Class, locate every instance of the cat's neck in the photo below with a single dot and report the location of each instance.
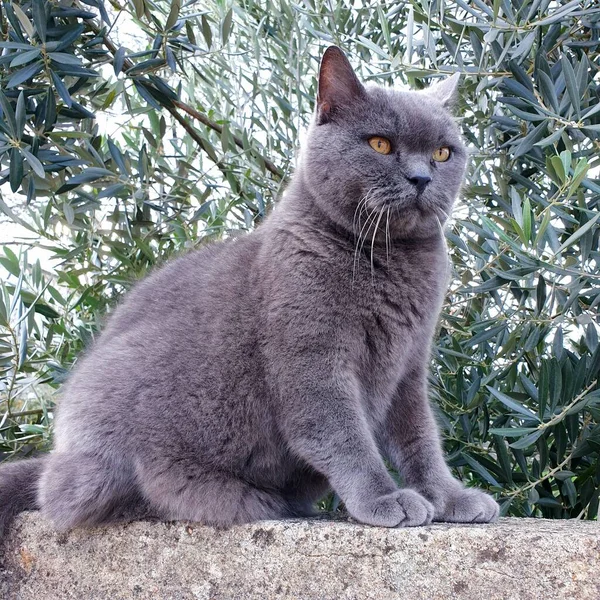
(298, 207)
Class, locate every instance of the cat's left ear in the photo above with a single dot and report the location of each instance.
(339, 87)
(446, 91)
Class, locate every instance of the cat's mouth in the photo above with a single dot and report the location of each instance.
(410, 209)
(416, 201)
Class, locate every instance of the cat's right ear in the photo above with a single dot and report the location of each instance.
(338, 85)
(445, 91)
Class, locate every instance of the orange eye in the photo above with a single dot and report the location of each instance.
(380, 144)
(441, 154)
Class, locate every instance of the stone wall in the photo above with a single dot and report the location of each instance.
(320, 559)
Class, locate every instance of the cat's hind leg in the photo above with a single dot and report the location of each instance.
(85, 490)
(181, 490)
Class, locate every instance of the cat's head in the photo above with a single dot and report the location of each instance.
(374, 150)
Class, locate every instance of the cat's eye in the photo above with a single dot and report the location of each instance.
(441, 154)
(380, 144)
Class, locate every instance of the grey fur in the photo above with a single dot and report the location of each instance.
(243, 380)
(18, 489)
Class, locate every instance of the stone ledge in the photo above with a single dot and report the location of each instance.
(515, 559)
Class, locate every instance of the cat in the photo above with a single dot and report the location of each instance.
(246, 379)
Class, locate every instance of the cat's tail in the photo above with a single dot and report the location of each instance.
(18, 489)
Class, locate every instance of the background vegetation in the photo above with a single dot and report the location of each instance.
(132, 130)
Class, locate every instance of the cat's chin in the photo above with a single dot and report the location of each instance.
(416, 222)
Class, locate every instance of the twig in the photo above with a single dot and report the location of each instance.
(543, 478)
(560, 416)
(25, 413)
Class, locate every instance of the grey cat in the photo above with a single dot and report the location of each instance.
(244, 380)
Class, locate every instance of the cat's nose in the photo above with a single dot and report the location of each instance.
(419, 181)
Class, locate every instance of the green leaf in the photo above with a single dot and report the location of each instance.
(117, 157)
(571, 83)
(24, 74)
(24, 20)
(118, 60)
(560, 13)
(503, 458)
(209, 149)
(173, 14)
(512, 404)
(142, 90)
(527, 219)
(69, 36)
(512, 431)
(112, 191)
(206, 32)
(24, 57)
(189, 30)
(15, 45)
(87, 176)
(527, 441)
(20, 115)
(373, 47)
(16, 169)
(486, 335)
(579, 175)
(34, 163)
(565, 157)
(559, 168)
(13, 217)
(548, 91)
(590, 111)
(479, 468)
(551, 139)
(575, 236)
(568, 489)
(540, 294)
(65, 59)
(146, 66)
(68, 212)
(140, 7)
(531, 139)
(9, 115)
(226, 27)
(40, 19)
(61, 89)
(23, 345)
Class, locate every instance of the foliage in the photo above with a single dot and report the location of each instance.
(132, 132)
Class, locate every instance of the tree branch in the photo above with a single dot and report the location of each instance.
(127, 64)
(219, 128)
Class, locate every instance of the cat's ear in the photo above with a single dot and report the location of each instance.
(445, 91)
(338, 85)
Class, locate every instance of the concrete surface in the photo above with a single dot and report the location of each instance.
(320, 559)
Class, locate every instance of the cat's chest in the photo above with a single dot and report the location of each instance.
(398, 313)
(401, 299)
(392, 321)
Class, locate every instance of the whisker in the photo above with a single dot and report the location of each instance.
(446, 215)
(358, 211)
(439, 225)
(373, 243)
(363, 207)
(360, 245)
(387, 236)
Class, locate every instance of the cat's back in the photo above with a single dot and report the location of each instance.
(185, 289)
(175, 335)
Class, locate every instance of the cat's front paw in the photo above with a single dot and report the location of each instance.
(467, 505)
(402, 508)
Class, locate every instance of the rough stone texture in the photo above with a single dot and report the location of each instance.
(320, 559)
